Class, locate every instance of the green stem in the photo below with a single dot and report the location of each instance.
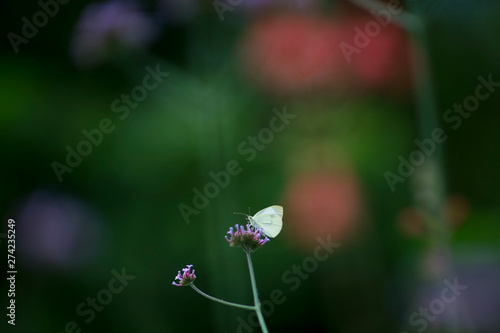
(430, 181)
(430, 184)
(246, 307)
(255, 295)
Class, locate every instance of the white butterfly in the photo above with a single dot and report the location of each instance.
(270, 219)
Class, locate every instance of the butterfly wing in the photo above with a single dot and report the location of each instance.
(270, 219)
(270, 224)
(278, 210)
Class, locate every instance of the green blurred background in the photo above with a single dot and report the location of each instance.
(232, 66)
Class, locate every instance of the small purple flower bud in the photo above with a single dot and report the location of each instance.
(186, 278)
(249, 239)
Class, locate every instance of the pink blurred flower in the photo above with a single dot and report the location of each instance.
(298, 54)
(292, 53)
(322, 203)
(382, 66)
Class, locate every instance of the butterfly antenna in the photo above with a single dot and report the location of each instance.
(240, 214)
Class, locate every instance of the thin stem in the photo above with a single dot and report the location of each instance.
(255, 295)
(430, 185)
(246, 307)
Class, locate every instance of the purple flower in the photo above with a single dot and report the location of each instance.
(249, 239)
(186, 278)
(103, 26)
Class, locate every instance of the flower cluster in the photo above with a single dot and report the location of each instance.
(186, 278)
(249, 239)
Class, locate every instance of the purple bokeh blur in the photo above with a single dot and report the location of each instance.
(264, 4)
(56, 231)
(477, 307)
(106, 25)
